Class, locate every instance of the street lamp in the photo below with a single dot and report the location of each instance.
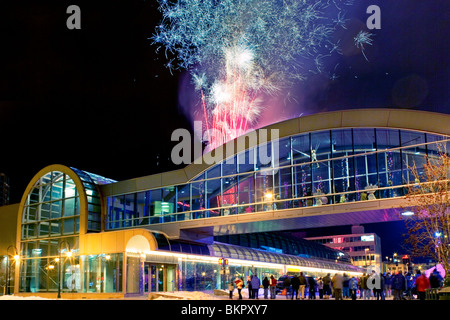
(438, 235)
(365, 255)
(68, 255)
(8, 267)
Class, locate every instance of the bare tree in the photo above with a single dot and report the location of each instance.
(428, 228)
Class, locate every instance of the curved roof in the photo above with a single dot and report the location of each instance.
(84, 182)
(230, 251)
(431, 122)
(237, 252)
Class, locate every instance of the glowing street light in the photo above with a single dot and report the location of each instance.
(68, 254)
(16, 258)
(268, 196)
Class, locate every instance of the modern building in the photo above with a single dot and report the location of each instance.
(168, 231)
(364, 248)
(4, 189)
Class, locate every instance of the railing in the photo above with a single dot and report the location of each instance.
(432, 294)
(272, 205)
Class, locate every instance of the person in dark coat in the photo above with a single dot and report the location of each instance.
(398, 285)
(312, 287)
(295, 283)
(265, 284)
(249, 286)
(287, 285)
(303, 283)
(326, 286)
(435, 279)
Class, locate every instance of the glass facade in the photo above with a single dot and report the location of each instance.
(317, 168)
(51, 217)
(102, 273)
(50, 229)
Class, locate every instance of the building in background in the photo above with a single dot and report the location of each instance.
(4, 189)
(363, 248)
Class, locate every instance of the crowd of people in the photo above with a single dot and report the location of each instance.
(341, 286)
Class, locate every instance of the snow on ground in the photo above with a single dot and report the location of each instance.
(13, 297)
(207, 295)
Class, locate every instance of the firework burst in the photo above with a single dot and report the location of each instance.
(237, 50)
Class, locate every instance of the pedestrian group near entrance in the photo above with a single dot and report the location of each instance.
(396, 286)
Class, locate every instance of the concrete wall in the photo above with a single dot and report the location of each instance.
(8, 227)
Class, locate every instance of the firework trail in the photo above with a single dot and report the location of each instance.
(237, 50)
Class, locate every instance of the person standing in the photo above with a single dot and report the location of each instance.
(383, 286)
(256, 283)
(435, 279)
(249, 286)
(388, 284)
(302, 280)
(327, 286)
(320, 287)
(273, 287)
(422, 283)
(239, 284)
(365, 291)
(398, 285)
(337, 286)
(345, 286)
(287, 285)
(231, 289)
(353, 287)
(312, 287)
(376, 284)
(295, 283)
(265, 284)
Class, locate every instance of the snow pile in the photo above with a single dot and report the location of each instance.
(189, 295)
(13, 297)
(203, 295)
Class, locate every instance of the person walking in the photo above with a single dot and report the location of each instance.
(320, 287)
(327, 286)
(337, 286)
(266, 284)
(353, 287)
(239, 284)
(422, 283)
(231, 289)
(398, 285)
(302, 280)
(273, 287)
(295, 283)
(312, 287)
(256, 283)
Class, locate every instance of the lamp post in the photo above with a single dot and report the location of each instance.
(365, 256)
(8, 267)
(68, 254)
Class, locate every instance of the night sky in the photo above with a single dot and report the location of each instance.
(100, 99)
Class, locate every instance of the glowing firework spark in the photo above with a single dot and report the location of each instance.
(362, 38)
(236, 50)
